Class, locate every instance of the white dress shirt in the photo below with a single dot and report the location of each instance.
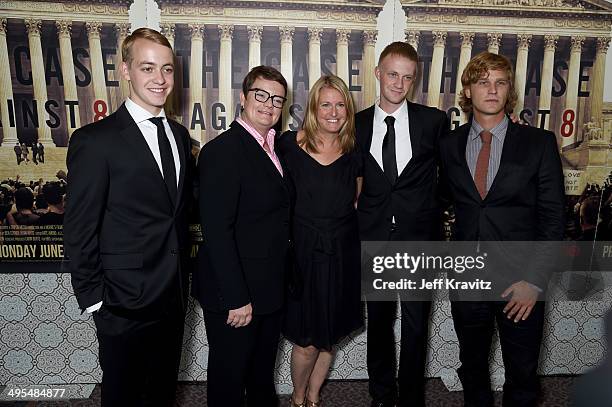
(149, 130)
(141, 116)
(403, 147)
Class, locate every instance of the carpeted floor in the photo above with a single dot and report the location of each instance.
(555, 393)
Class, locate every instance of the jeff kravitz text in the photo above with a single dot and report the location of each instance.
(407, 263)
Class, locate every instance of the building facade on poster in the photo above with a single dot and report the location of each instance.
(289, 36)
(559, 51)
(66, 73)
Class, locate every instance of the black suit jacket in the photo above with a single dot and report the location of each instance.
(413, 199)
(525, 201)
(126, 244)
(244, 211)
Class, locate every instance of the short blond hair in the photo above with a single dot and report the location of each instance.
(400, 48)
(145, 34)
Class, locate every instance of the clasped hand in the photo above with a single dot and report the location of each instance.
(240, 317)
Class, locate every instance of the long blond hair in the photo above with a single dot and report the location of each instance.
(311, 126)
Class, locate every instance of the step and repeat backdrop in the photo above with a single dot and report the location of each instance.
(59, 70)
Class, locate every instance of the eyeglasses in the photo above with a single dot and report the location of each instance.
(263, 96)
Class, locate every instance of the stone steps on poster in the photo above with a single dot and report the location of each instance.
(55, 159)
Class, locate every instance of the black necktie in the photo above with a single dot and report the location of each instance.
(166, 157)
(388, 151)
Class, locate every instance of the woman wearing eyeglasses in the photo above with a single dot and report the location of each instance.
(244, 212)
(325, 174)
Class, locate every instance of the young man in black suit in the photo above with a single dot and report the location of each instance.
(398, 202)
(506, 184)
(125, 229)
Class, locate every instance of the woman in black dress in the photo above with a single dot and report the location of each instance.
(324, 171)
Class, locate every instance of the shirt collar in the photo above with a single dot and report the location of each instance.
(139, 113)
(269, 137)
(399, 114)
(499, 131)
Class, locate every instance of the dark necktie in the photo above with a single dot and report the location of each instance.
(482, 163)
(388, 151)
(166, 157)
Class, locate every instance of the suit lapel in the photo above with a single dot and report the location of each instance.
(510, 150)
(364, 131)
(416, 128)
(257, 154)
(142, 153)
(464, 173)
(416, 132)
(281, 159)
(182, 151)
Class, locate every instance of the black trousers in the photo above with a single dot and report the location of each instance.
(413, 351)
(520, 344)
(139, 359)
(241, 361)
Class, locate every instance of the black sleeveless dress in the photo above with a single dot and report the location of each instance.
(327, 247)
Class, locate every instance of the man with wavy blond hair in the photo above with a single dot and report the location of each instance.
(513, 191)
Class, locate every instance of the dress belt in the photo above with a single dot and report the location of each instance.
(324, 230)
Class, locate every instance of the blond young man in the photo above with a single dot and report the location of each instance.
(125, 229)
(513, 191)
